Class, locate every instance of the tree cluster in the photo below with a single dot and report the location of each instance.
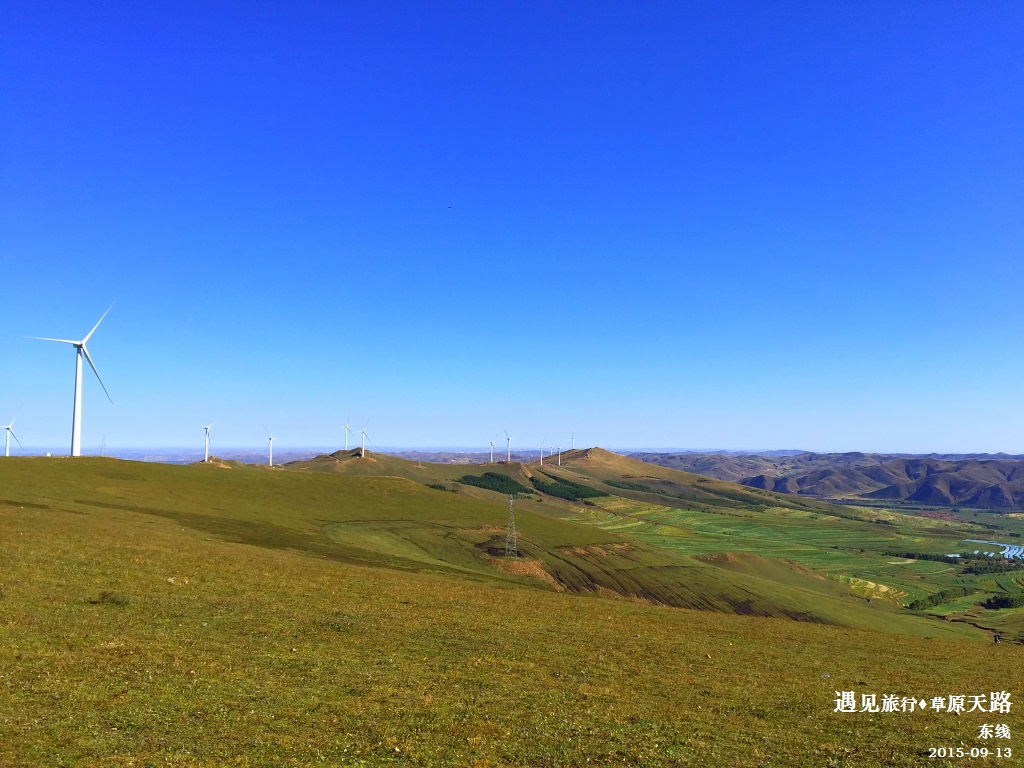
(630, 486)
(1005, 601)
(494, 481)
(565, 489)
(943, 596)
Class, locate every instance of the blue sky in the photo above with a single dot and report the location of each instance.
(735, 225)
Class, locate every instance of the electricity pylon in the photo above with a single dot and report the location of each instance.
(511, 537)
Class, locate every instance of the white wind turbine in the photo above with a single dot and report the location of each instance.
(347, 430)
(206, 458)
(492, 451)
(508, 448)
(573, 440)
(362, 448)
(559, 454)
(81, 351)
(270, 444)
(542, 453)
(7, 438)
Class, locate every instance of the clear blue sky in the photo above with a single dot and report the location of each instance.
(737, 225)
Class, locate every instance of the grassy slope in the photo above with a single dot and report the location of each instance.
(131, 639)
(686, 514)
(655, 571)
(848, 543)
(392, 522)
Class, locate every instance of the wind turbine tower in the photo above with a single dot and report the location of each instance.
(270, 444)
(542, 453)
(492, 451)
(362, 447)
(573, 440)
(206, 457)
(81, 351)
(559, 454)
(9, 429)
(508, 448)
(347, 430)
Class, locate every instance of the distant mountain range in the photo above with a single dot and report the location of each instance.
(973, 480)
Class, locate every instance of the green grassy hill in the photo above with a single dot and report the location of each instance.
(208, 615)
(397, 523)
(677, 513)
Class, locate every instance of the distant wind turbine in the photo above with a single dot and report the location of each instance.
(206, 458)
(542, 453)
(573, 440)
(508, 447)
(347, 430)
(81, 351)
(492, 451)
(362, 448)
(559, 454)
(270, 444)
(7, 437)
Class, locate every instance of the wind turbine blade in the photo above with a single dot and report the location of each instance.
(97, 324)
(506, 433)
(266, 430)
(15, 437)
(62, 341)
(93, 366)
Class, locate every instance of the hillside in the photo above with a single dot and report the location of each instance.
(963, 481)
(208, 615)
(660, 485)
(683, 515)
(373, 516)
(621, 565)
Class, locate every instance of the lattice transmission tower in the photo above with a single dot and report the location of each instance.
(511, 537)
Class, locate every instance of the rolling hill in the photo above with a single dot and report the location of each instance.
(341, 613)
(683, 514)
(976, 481)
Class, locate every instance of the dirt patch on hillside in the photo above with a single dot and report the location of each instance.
(534, 569)
(610, 549)
(613, 595)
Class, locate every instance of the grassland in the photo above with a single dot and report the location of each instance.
(849, 544)
(154, 615)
